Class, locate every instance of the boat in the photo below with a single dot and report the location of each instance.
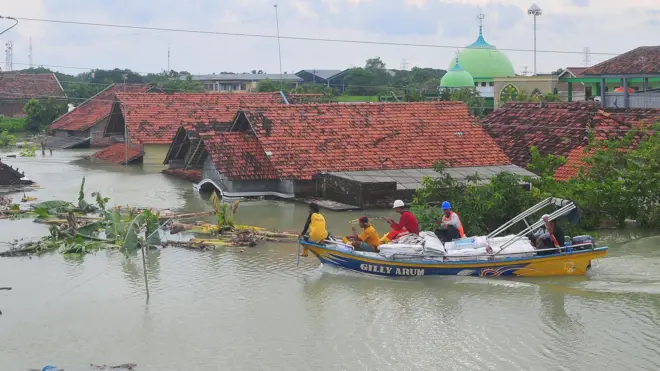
(572, 259)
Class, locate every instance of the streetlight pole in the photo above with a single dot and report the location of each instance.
(279, 48)
(534, 11)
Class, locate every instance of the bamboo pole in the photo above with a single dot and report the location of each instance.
(144, 269)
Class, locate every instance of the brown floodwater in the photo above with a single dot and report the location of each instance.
(254, 309)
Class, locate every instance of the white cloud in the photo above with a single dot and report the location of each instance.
(563, 26)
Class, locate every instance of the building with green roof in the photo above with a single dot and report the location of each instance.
(456, 78)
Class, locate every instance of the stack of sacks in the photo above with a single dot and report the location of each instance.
(471, 248)
(391, 250)
(432, 245)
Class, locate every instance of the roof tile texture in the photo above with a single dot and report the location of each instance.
(16, 85)
(644, 60)
(238, 155)
(154, 118)
(304, 140)
(117, 153)
(555, 128)
(94, 109)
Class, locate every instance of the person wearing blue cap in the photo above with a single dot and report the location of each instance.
(449, 226)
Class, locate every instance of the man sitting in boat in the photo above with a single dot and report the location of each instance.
(368, 240)
(548, 236)
(449, 226)
(407, 223)
(316, 226)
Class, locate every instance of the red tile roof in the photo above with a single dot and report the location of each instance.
(644, 60)
(95, 108)
(305, 140)
(636, 116)
(304, 98)
(155, 118)
(555, 128)
(575, 159)
(17, 85)
(117, 153)
(238, 155)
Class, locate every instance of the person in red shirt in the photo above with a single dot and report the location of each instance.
(407, 222)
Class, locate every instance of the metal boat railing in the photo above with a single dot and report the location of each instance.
(521, 216)
(564, 210)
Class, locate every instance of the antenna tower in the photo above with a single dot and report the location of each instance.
(168, 59)
(30, 55)
(525, 71)
(9, 56)
(587, 57)
(404, 64)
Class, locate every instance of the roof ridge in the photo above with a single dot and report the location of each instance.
(85, 102)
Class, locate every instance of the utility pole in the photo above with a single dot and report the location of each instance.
(30, 55)
(126, 135)
(279, 48)
(534, 11)
(9, 56)
(587, 57)
(168, 60)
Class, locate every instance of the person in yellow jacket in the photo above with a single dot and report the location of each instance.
(315, 225)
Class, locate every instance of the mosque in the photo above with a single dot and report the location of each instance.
(478, 65)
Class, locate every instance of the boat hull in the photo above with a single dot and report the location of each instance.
(566, 264)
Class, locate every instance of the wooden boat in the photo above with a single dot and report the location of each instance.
(568, 260)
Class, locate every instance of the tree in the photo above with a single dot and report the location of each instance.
(40, 114)
(374, 64)
(470, 96)
(179, 86)
(267, 85)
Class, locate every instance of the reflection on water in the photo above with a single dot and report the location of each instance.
(254, 309)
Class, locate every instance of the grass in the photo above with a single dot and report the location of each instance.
(12, 125)
(357, 98)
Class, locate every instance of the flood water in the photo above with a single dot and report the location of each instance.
(254, 309)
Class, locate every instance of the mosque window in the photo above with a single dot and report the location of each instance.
(509, 93)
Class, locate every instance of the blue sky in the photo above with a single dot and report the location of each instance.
(566, 25)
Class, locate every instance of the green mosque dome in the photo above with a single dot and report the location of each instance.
(457, 77)
(483, 61)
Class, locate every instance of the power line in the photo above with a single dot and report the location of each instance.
(298, 38)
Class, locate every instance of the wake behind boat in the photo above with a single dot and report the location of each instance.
(511, 255)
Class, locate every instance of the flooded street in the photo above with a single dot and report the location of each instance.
(254, 309)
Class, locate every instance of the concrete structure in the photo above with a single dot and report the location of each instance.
(635, 73)
(508, 88)
(241, 82)
(17, 88)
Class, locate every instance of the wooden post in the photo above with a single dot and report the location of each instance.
(144, 269)
(603, 88)
(570, 91)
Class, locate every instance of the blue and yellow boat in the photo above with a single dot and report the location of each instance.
(573, 259)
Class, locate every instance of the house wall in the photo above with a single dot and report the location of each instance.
(364, 195)
(12, 108)
(96, 132)
(545, 85)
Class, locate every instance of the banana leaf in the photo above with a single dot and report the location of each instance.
(115, 226)
(53, 207)
(90, 229)
(132, 233)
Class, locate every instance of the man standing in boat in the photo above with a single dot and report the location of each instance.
(407, 223)
(315, 224)
(449, 226)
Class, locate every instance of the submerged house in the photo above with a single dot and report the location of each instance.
(364, 155)
(561, 129)
(84, 125)
(152, 119)
(17, 88)
(10, 177)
